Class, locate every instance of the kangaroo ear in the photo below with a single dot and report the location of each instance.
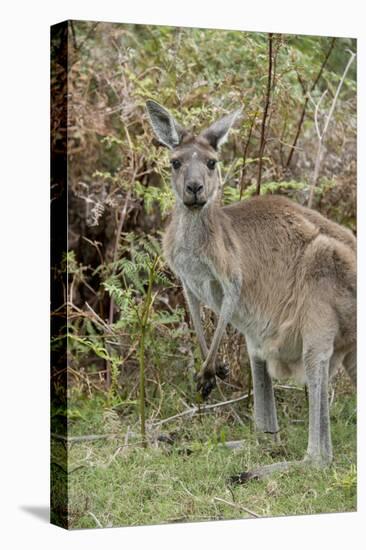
(166, 128)
(217, 133)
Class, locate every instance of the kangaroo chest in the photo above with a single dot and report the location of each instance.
(265, 340)
(198, 276)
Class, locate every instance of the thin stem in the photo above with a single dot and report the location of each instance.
(122, 218)
(142, 387)
(303, 112)
(265, 113)
(75, 44)
(350, 61)
(321, 134)
(143, 329)
(241, 185)
(115, 256)
(115, 252)
(91, 30)
(134, 171)
(316, 116)
(318, 159)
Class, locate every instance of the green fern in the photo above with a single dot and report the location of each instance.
(160, 196)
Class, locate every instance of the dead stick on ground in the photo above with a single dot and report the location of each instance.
(237, 506)
(287, 387)
(194, 410)
(80, 438)
(95, 519)
(190, 411)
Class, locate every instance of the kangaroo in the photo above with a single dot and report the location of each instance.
(280, 273)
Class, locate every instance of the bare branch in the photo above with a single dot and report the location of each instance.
(115, 252)
(194, 410)
(81, 438)
(321, 135)
(99, 319)
(95, 519)
(307, 97)
(244, 157)
(350, 61)
(265, 112)
(237, 506)
(316, 115)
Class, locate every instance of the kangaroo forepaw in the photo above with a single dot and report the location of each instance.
(222, 370)
(206, 381)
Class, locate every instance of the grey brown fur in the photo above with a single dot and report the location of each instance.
(280, 273)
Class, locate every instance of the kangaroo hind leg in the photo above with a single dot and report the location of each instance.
(265, 415)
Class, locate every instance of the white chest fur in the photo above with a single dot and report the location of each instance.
(198, 276)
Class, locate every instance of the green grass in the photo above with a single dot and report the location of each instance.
(110, 484)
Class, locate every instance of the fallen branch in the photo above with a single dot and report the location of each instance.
(194, 410)
(237, 506)
(287, 387)
(234, 445)
(81, 438)
(190, 411)
(95, 519)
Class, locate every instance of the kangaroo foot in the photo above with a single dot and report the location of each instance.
(317, 461)
(222, 370)
(206, 381)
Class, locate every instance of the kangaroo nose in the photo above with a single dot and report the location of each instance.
(194, 187)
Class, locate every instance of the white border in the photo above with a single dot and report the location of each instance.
(24, 269)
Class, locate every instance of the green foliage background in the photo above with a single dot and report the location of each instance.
(119, 194)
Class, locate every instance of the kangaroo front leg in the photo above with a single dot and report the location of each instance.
(194, 309)
(221, 370)
(206, 379)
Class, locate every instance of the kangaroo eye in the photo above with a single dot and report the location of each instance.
(176, 164)
(211, 163)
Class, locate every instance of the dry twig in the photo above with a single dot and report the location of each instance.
(303, 112)
(194, 410)
(95, 519)
(322, 133)
(265, 113)
(237, 506)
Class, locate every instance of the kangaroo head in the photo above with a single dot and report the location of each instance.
(195, 176)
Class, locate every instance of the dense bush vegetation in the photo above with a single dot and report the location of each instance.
(128, 325)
